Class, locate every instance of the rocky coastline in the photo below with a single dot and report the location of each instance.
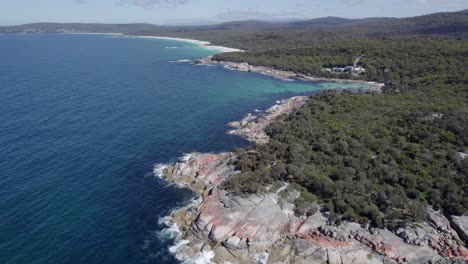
(263, 228)
(283, 75)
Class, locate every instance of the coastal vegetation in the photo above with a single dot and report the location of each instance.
(378, 158)
(400, 64)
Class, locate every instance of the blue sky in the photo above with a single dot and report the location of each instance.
(205, 11)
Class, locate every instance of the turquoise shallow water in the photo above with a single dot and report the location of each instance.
(84, 118)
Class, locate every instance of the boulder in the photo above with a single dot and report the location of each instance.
(439, 220)
(460, 224)
(411, 235)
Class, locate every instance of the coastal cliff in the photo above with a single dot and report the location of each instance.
(264, 228)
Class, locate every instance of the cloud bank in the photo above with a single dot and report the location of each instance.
(240, 14)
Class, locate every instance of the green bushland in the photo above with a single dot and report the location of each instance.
(376, 158)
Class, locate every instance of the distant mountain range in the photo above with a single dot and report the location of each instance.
(278, 34)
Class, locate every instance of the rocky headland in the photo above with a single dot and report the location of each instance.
(263, 228)
(283, 75)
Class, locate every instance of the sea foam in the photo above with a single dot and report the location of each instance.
(186, 157)
(199, 43)
(172, 232)
(159, 168)
(201, 258)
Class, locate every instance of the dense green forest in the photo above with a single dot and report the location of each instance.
(380, 157)
(377, 157)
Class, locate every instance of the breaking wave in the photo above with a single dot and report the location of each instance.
(159, 168)
(182, 60)
(201, 258)
(172, 232)
(186, 157)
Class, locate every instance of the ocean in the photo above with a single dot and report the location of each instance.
(84, 118)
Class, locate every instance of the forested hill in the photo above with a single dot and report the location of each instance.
(262, 35)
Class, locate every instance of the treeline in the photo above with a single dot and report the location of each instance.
(378, 158)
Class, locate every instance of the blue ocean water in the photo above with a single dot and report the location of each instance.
(83, 120)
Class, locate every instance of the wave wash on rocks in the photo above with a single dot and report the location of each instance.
(262, 228)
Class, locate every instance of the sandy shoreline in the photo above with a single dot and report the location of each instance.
(199, 43)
